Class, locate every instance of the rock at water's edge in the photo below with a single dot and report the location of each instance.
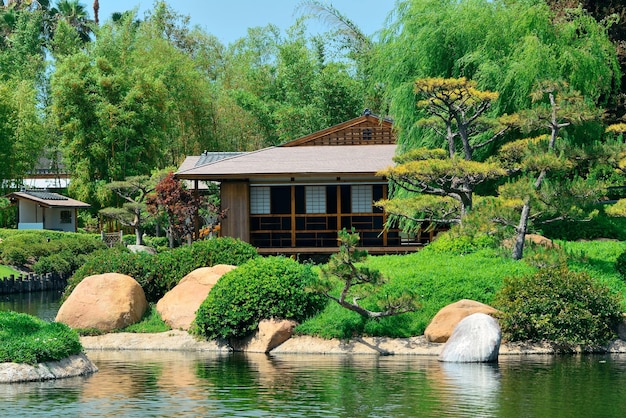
(476, 339)
(178, 306)
(444, 322)
(105, 302)
(271, 334)
(76, 365)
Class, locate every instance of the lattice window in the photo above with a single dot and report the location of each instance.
(362, 198)
(260, 200)
(66, 216)
(315, 199)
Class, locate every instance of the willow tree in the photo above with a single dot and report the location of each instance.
(445, 178)
(505, 46)
(618, 209)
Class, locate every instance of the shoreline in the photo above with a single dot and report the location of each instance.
(177, 340)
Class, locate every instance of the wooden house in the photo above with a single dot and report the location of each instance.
(293, 198)
(46, 210)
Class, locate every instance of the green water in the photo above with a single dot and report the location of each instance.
(164, 384)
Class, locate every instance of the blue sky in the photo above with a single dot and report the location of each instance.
(230, 19)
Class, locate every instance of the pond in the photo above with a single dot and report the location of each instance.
(144, 383)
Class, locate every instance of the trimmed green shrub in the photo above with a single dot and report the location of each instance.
(26, 339)
(452, 242)
(56, 263)
(161, 272)
(15, 255)
(30, 248)
(620, 265)
(263, 288)
(560, 306)
(601, 226)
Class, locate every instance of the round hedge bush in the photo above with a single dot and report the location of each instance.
(263, 288)
(560, 306)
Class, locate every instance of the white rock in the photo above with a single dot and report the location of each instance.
(476, 339)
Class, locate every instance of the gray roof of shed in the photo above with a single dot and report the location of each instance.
(48, 199)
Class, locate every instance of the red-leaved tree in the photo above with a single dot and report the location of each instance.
(179, 204)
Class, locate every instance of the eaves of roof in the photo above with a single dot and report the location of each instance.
(302, 161)
(49, 203)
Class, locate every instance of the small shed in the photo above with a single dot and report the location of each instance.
(46, 210)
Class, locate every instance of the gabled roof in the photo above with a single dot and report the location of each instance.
(367, 129)
(48, 199)
(304, 161)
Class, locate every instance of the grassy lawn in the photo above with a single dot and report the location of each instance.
(26, 339)
(7, 271)
(439, 279)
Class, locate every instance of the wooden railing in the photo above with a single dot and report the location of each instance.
(26, 283)
(320, 230)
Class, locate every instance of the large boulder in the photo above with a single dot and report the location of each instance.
(178, 306)
(476, 339)
(442, 325)
(104, 302)
(271, 334)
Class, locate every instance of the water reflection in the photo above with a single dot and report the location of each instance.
(153, 383)
(473, 387)
(44, 305)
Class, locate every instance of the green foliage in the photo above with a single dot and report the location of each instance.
(263, 288)
(620, 265)
(123, 110)
(359, 282)
(437, 278)
(150, 323)
(560, 306)
(454, 243)
(504, 46)
(26, 339)
(601, 226)
(161, 272)
(47, 251)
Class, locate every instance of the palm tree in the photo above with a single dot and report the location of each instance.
(334, 19)
(96, 8)
(74, 13)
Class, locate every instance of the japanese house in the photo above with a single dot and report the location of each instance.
(46, 210)
(293, 198)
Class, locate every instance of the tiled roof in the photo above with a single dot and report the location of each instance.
(46, 195)
(310, 160)
(49, 200)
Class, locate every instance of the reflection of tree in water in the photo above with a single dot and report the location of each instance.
(564, 386)
(44, 305)
(337, 384)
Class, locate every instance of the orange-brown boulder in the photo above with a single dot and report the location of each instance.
(271, 334)
(442, 325)
(535, 239)
(178, 306)
(105, 302)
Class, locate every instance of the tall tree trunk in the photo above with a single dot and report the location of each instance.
(96, 8)
(520, 236)
(170, 235)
